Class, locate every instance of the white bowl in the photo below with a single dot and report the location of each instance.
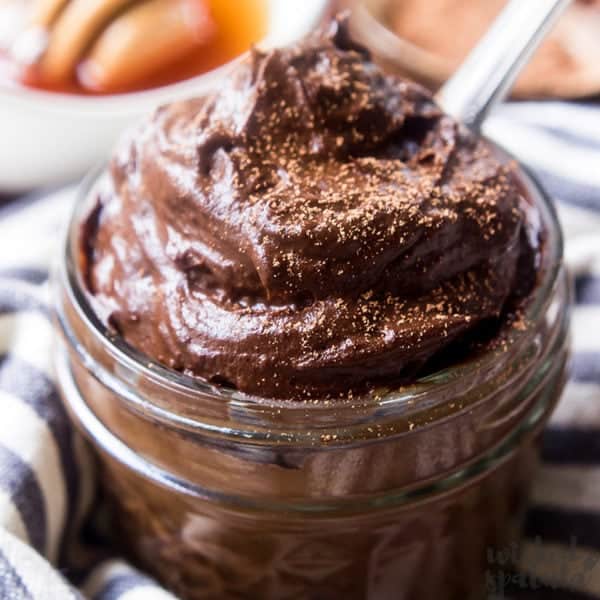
(48, 138)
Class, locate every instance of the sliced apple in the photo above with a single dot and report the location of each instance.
(143, 40)
(44, 12)
(79, 23)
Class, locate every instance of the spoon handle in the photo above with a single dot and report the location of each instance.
(489, 71)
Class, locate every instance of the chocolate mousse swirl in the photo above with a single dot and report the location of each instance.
(313, 228)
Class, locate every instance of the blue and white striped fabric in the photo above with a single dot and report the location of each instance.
(47, 476)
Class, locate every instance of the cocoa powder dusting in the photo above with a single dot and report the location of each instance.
(313, 229)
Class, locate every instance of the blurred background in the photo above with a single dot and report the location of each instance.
(74, 73)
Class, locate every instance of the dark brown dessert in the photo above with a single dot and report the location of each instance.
(313, 229)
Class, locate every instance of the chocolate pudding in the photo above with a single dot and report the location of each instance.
(313, 229)
(313, 329)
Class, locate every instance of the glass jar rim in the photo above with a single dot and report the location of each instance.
(400, 400)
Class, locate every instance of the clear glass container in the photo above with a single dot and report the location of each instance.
(395, 496)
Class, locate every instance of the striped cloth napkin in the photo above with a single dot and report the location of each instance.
(47, 476)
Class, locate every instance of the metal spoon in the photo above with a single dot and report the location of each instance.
(490, 70)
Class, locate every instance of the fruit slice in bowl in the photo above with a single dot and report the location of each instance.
(52, 133)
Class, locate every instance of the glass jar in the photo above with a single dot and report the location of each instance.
(400, 495)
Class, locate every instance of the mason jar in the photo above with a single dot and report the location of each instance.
(399, 495)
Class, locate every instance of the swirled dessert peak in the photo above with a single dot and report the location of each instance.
(316, 226)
